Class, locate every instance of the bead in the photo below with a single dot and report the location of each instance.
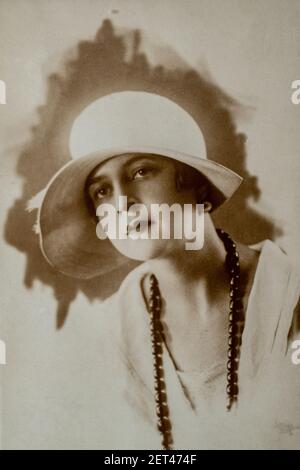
(153, 280)
(233, 329)
(158, 349)
(165, 416)
(166, 424)
(232, 376)
(158, 326)
(159, 357)
(160, 426)
(232, 389)
(234, 294)
(156, 388)
(233, 341)
(231, 354)
(231, 365)
(236, 304)
(165, 444)
(238, 316)
(235, 288)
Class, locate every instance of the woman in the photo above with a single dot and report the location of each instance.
(196, 340)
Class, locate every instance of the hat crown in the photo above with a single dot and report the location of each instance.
(135, 119)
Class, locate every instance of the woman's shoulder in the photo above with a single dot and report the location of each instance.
(278, 277)
(277, 261)
(275, 254)
(268, 256)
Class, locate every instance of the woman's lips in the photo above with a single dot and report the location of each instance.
(140, 227)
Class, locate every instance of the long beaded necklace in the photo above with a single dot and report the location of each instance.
(235, 330)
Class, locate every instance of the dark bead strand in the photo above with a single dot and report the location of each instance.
(236, 318)
(235, 330)
(162, 411)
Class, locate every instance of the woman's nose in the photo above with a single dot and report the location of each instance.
(123, 198)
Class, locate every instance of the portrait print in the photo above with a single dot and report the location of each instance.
(150, 275)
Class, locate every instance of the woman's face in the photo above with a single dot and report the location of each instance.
(144, 179)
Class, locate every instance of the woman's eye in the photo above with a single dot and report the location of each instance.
(100, 193)
(141, 172)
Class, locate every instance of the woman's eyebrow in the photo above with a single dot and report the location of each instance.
(96, 179)
(139, 158)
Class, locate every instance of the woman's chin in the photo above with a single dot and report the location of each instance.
(141, 250)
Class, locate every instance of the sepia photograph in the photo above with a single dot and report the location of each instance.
(150, 212)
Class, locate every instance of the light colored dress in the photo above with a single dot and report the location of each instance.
(267, 415)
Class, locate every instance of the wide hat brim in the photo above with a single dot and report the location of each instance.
(67, 230)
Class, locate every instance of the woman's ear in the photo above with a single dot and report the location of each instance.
(207, 206)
